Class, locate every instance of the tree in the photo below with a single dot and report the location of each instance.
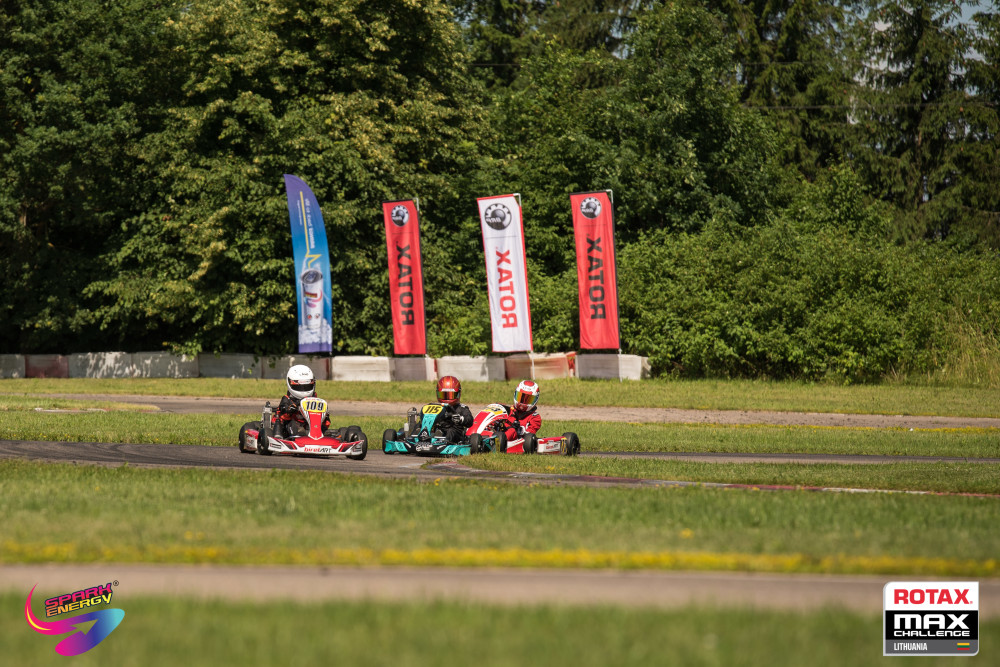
(365, 101)
(793, 65)
(909, 114)
(79, 86)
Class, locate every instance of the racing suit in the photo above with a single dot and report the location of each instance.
(289, 421)
(522, 421)
(454, 421)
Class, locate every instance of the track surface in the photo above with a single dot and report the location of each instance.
(862, 594)
(192, 405)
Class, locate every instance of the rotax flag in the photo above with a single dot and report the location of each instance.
(594, 228)
(406, 276)
(506, 272)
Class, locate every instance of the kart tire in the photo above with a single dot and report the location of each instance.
(530, 443)
(571, 444)
(245, 447)
(355, 433)
(501, 440)
(388, 435)
(475, 443)
(262, 444)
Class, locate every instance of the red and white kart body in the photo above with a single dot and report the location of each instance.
(259, 436)
(491, 422)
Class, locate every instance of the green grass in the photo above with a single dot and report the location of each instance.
(56, 512)
(164, 631)
(939, 477)
(10, 403)
(221, 430)
(701, 394)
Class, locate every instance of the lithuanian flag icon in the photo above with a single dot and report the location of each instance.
(964, 646)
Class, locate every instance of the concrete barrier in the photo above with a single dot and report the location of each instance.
(276, 368)
(472, 369)
(413, 369)
(164, 365)
(46, 366)
(612, 366)
(101, 365)
(533, 366)
(228, 366)
(12, 366)
(354, 369)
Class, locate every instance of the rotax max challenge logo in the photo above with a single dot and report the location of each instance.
(88, 629)
(930, 618)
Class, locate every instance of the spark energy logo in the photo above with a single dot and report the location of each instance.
(88, 629)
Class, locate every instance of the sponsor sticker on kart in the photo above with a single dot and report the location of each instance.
(930, 618)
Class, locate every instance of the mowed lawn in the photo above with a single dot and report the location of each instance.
(59, 512)
(903, 399)
(216, 633)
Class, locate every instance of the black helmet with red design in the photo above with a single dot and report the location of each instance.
(449, 390)
(526, 395)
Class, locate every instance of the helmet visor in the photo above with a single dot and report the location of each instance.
(525, 398)
(306, 387)
(447, 395)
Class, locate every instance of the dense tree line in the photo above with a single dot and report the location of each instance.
(802, 188)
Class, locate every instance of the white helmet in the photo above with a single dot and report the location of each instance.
(526, 395)
(301, 382)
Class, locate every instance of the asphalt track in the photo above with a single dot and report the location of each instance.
(861, 594)
(205, 405)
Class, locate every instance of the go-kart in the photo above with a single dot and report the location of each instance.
(422, 434)
(492, 422)
(260, 436)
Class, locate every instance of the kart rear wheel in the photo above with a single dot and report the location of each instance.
(355, 433)
(571, 444)
(247, 447)
(530, 443)
(262, 443)
(388, 435)
(475, 443)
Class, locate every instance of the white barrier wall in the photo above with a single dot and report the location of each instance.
(612, 366)
(533, 366)
(472, 369)
(413, 369)
(46, 366)
(371, 369)
(276, 368)
(228, 366)
(164, 365)
(12, 366)
(101, 365)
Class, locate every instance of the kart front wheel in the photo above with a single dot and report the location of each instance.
(501, 442)
(388, 436)
(475, 443)
(262, 447)
(570, 444)
(530, 443)
(247, 447)
(355, 433)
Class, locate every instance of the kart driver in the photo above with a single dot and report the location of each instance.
(522, 416)
(456, 418)
(301, 384)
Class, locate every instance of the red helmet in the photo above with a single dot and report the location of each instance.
(449, 390)
(526, 395)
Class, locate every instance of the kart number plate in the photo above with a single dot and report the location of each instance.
(432, 409)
